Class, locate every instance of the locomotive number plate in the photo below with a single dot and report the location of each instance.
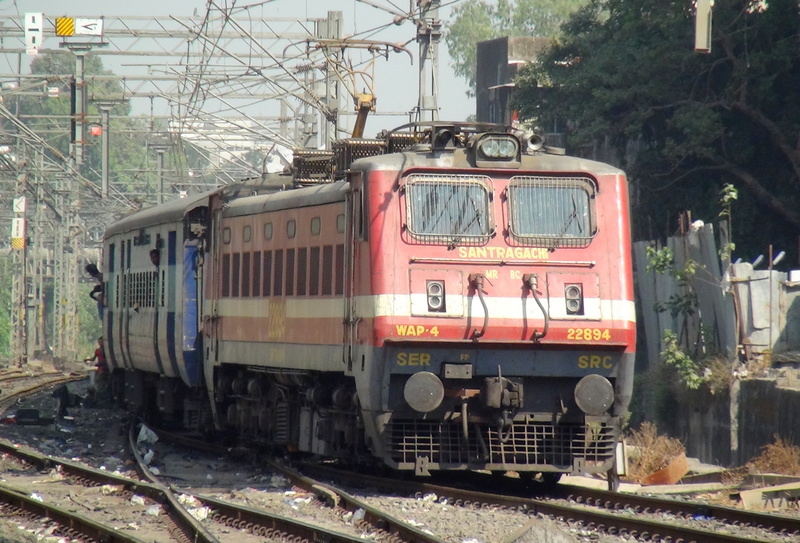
(416, 330)
(589, 334)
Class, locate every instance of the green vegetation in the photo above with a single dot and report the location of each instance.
(623, 75)
(480, 20)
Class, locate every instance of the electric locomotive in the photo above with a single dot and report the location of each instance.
(448, 296)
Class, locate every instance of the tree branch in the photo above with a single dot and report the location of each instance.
(761, 193)
(777, 137)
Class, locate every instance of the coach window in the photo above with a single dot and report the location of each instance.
(314, 265)
(552, 212)
(245, 274)
(226, 275)
(291, 228)
(290, 272)
(277, 284)
(226, 235)
(340, 223)
(266, 284)
(257, 274)
(246, 233)
(235, 275)
(327, 270)
(268, 231)
(302, 270)
(315, 226)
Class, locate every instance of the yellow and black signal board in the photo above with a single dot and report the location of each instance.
(65, 26)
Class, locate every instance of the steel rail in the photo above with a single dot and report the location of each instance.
(267, 524)
(601, 520)
(258, 522)
(372, 515)
(328, 494)
(9, 398)
(644, 504)
(192, 529)
(71, 524)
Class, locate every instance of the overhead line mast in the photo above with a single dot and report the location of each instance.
(209, 84)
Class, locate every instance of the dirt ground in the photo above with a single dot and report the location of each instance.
(95, 435)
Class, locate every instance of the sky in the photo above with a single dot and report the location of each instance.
(396, 79)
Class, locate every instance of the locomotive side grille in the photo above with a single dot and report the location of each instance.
(281, 431)
(522, 444)
(312, 166)
(397, 142)
(348, 150)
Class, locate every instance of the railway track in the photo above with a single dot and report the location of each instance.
(222, 520)
(17, 384)
(349, 514)
(628, 515)
(642, 517)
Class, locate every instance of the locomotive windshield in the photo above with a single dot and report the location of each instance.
(552, 211)
(451, 209)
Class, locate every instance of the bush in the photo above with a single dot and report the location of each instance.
(779, 457)
(650, 452)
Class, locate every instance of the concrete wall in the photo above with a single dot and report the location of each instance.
(498, 62)
(732, 429)
(756, 312)
(706, 432)
(765, 410)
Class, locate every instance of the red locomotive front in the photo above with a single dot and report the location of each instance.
(491, 324)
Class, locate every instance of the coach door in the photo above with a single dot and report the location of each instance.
(211, 317)
(354, 233)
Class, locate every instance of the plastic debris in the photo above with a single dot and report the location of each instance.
(146, 435)
(278, 481)
(188, 501)
(137, 500)
(153, 510)
(107, 490)
(148, 456)
(200, 513)
(37, 497)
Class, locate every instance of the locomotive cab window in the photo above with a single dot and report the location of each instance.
(449, 209)
(552, 211)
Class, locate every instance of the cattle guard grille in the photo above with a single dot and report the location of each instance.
(526, 444)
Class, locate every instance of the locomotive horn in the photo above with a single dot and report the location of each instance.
(535, 142)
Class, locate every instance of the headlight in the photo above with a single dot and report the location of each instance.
(498, 147)
(573, 296)
(424, 392)
(594, 394)
(435, 291)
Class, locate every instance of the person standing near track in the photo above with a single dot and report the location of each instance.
(102, 377)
